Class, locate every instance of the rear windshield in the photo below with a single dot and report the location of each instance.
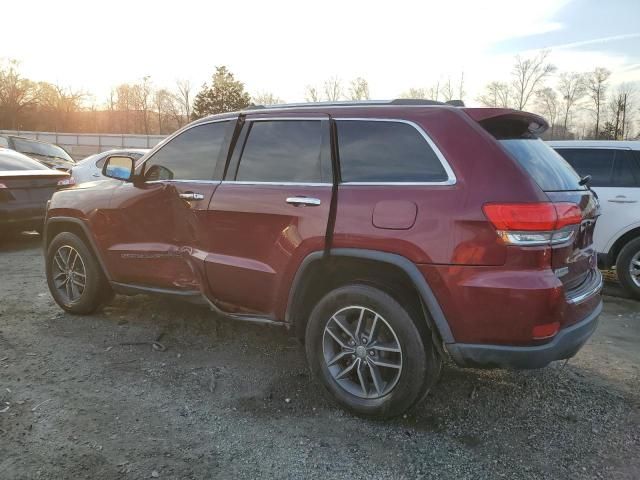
(10, 160)
(550, 171)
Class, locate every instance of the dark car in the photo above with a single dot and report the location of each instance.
(25, 187)
(385, 235)
(49, 154)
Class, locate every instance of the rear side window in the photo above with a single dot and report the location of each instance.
(597, 162)
(282, 151)
(549, 170)
(386, 151)
(607, 167)
(4, 142)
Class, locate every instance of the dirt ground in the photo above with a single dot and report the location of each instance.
(232, 400)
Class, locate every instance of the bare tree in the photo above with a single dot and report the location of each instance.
(621, 107)
(311, 94)
(415, 93)
(497, 94)
(359, 89)
(528, 76)
(547, 100)
(142, 97)
(597, 89)
(16, 92)
(266, 98)
(184, 95)
(572, 88)
(447, 90)
(434, 91)
(333, 89)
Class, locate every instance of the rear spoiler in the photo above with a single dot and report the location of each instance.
(508, 123)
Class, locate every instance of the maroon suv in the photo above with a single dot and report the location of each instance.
(386, 235)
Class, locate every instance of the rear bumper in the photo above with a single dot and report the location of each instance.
(564, 345)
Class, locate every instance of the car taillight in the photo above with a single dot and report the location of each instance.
(546, 330)
(2, 185)
(529, 224)
(67, 182)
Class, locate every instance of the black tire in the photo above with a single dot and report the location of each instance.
(96, 290)
(623, 264)
(419, 360)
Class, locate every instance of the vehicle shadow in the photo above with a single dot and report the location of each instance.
(12, 242)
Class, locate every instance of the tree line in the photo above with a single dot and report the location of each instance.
(576, 104)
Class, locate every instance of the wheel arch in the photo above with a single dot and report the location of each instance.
(619, 243)
(57, 225)
(315, 266)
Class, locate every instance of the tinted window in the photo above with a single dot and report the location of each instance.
(597, 162)
(549, 170)
(372, 151)
(625, 170)
(10, 160)
(192, 155)
(282, 151)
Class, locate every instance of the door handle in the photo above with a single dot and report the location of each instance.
(191, 196)
(614, 200)
(303, 201)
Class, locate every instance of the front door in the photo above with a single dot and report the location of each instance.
(157, 228)
(270, 212)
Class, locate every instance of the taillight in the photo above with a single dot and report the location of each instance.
(2, 185)
(546, 330)
(529, 224)
(67, 182)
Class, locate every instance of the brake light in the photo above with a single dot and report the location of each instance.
(2, 185)
(534, 223)
(67, 182)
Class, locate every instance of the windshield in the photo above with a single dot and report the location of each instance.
(37, 148)
(550, 171)
(10, 160)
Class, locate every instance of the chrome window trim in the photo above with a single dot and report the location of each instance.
(161, 145)
(451, 176)
(602, 147)
(284, 184)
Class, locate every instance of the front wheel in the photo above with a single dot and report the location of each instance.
(74, 276)
(369, 353)
(628, 267)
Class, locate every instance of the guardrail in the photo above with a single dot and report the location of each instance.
(80, 145)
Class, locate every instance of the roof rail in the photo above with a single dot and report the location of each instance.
(355, 103)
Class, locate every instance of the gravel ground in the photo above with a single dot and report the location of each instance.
(235, 400)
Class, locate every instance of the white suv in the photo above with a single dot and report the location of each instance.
(614, 167)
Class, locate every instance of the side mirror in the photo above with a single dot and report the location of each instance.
(119, 167)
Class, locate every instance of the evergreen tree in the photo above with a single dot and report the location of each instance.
(225, 94)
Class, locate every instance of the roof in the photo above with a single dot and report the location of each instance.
(632, 144)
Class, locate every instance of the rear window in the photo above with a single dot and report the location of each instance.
(549, 170)
(14, 161)
(386, 151)
(43, 149)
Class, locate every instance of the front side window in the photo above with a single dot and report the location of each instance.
(192, 155)
(386, 151)
(282, 151)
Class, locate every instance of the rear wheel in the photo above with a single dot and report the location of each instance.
(628, 267)
(75, 278)
(369, 353)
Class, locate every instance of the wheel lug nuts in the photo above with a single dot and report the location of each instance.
(372, 353)
(364, 339)
(353, 356)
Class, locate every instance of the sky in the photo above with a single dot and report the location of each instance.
(282, 46)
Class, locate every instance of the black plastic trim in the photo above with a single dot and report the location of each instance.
(399, 261)
(87, 234)
(563, 346)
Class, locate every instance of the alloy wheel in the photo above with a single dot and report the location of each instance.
(634, 268)
(69, 273)
(362, 352)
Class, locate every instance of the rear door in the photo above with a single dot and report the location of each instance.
(270, 212)
(615, 177)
